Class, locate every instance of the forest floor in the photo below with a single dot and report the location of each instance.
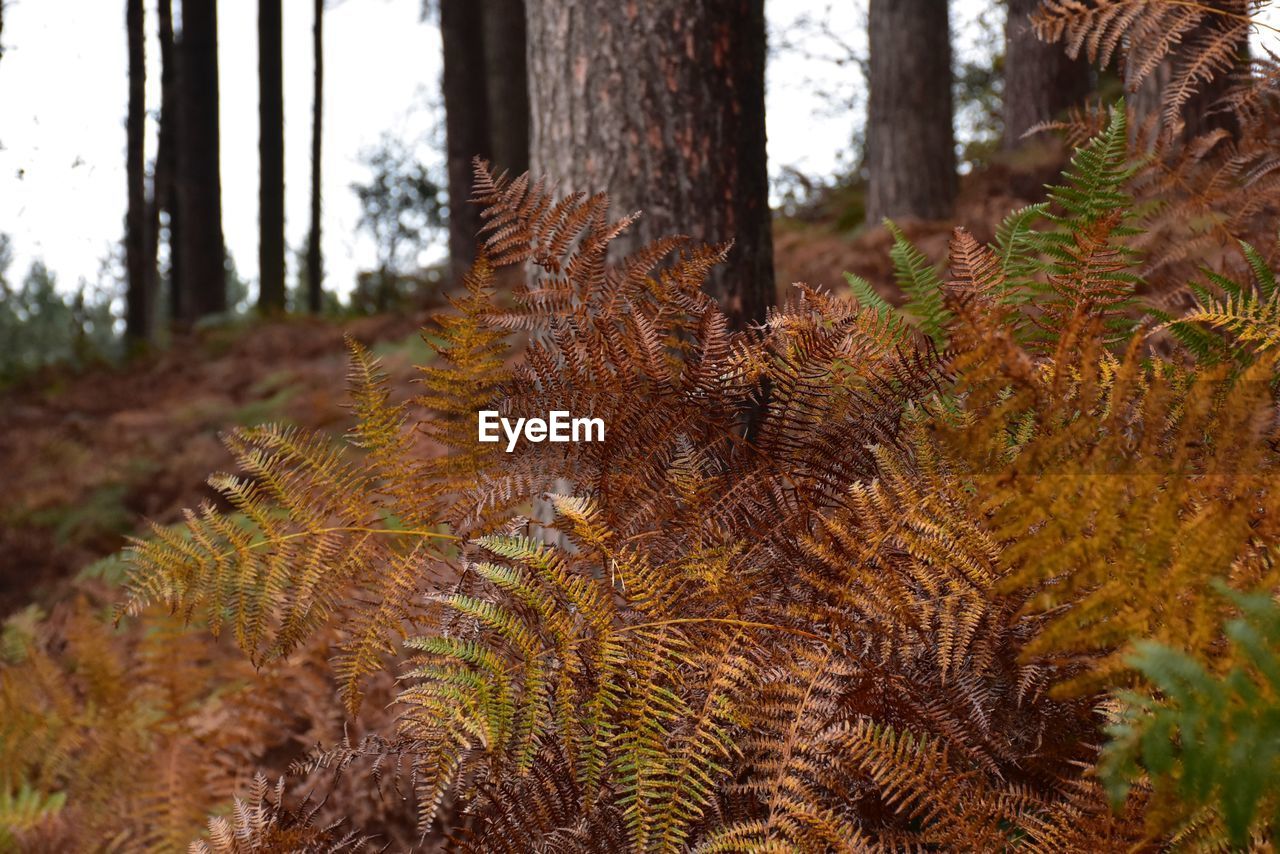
(86, 458)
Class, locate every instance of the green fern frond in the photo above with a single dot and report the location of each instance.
(1207, 739)
(920, 281)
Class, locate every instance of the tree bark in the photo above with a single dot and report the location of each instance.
(271, 157)
(163, 186)
(137, 318)
(507, 83)
(315, 273)
(199, 182)
(911, 157)
(1040, 80)
(662, 105)
(466, 121)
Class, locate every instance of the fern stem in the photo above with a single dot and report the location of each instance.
(345, 529)
(728, 621)
(1224, 13)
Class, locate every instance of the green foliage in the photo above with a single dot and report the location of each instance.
(1206, 738)
(41, 326)
(401, 207)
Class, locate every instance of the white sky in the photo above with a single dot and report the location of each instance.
(64, 86)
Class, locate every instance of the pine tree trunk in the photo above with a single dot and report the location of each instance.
(507, 83)
(138, 293)
(199, 181)
(314, 273)
(1040, 80)
(164, 186)
(271, 157)
(662, 105)
(466, 121)
(911, 157)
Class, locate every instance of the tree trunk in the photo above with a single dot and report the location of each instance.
(507, 83)
(466, 121)
(137, 326)
(911, 156)
(2, 2)
(164, 186)
(662, 105)
(1040, 80)
(271, 157)
(314, 272)
(199, 182)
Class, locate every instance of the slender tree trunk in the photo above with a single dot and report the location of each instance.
(271, 157)
(199, 181)
(662, 105)
(138, 294)
(507, 83)
(315, 274)
(2, 2)
(466, 121)
(164, 186)
(1040, 80)
(911, 155)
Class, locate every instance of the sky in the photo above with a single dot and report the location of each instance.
(64, 88)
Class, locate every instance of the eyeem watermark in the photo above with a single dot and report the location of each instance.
(558, 426)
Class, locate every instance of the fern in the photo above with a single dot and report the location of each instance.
(825, 585)
(1250, 316)
(1208, 739)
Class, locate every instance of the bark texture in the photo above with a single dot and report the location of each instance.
(911, 157)
(661, 104)
(163, 186)
(199, 182)
(1040, 80)
(466, 105)
(137, 317)
(315, 274)
(270, 149)
(506, 83)
(271, 157)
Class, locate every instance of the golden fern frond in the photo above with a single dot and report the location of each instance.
(317, 534)
(1251, 319)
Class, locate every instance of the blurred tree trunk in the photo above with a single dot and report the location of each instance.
(163, 188)
(466, 121)
(1040, 80)
(507, 83)
(137, 316)
(1199, 115)
(662, 105)
(271, 157)
(314, 274)
(2, 2)
(911, 157)
(198, 179)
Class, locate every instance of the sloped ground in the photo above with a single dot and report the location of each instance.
(817, 253)
(85, 459)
